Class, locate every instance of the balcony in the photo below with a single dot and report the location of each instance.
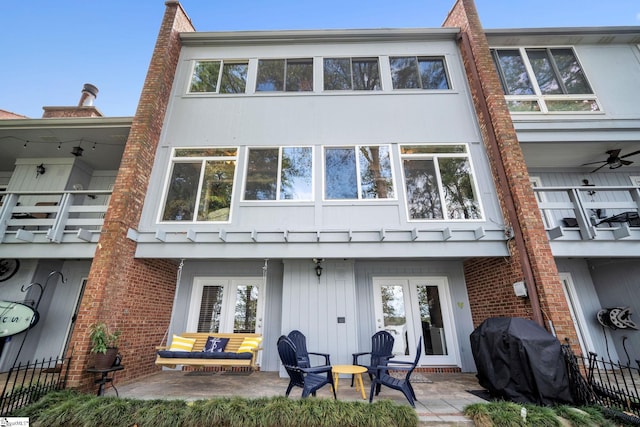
(591, 220)
(70, 219)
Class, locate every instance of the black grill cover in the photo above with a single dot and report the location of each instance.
(519, 361)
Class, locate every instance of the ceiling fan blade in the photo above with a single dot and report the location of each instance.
(630, 154)
(626, 162)
(594, 163)
(598, 168)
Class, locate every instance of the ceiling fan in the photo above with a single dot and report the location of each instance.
(614, 160)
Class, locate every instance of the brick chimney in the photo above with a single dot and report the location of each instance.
(85, 106)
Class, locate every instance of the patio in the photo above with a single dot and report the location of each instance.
(441, 396)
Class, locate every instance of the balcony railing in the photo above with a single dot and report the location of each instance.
(590, 212)
(43, 216)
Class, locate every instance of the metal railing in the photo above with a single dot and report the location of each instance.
(597, 381)
(26, 214)
(589, 209)
(26, 383)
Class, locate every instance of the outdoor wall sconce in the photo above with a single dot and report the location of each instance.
(40, 170)
(318, 268)
(77, 151)
(585, 183)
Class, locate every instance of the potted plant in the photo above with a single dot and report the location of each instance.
(103, 345)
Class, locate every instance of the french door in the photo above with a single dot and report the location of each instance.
(579, 320)
(226, 304)
(410, 308)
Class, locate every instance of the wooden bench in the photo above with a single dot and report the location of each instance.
(198, 358)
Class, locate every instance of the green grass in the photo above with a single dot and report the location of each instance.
(509, 414)
(70, 408)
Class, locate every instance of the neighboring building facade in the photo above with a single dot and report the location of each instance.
(344, 182)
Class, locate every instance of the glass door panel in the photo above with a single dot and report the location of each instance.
(210, 309)
(431, 321)
(246, 309)
(393, 314)
(418, 306)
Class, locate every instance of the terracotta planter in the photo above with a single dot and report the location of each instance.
(105, 361)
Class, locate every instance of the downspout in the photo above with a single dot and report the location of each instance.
(481, 103)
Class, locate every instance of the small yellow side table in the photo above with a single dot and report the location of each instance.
(354, 370)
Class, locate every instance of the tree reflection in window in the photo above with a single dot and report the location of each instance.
(246, 309)
(351, 74)
(290, 75)
(208, 78)
(361, 172)
(554, 71)
(279, 174)
(439, 182)
(201, 187)
(415, 72)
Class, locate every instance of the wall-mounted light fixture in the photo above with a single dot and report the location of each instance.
(77, 151)
(318, 267)
(40, 170)
(585, 183)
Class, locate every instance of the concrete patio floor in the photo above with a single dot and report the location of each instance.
(441, 396)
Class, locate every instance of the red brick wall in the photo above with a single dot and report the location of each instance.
(133, 295)
(490, 281)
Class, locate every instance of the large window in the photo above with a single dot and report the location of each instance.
(361, 172)
(351, 74)
(439, 182)
(543, 80)
(288, 75)
(200, 185)
(283, 173)
(219, 77)
(418, 72)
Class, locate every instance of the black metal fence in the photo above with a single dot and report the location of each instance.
(596, 381)
(26, 383)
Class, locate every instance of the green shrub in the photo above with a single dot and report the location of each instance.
(68, 408)
(508, 414)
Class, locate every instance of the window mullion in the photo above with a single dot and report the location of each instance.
(279, 177)
(556, 71)
(203, 171)
(529, 68)
(351, 73)
(358, 174)
(443, 200)
(220, 72)
(284, 77)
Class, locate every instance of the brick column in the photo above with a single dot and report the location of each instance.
(490, 280)
(133, 295)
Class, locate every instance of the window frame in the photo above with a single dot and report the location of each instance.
(351, 73)
(279, 175)
(174, 159)
(538, 97)
(222, 62)
(441, 192)
(284, 75)
(445, 68)
(356, 149)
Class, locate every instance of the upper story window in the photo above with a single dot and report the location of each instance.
(219, 77)
(288, 75)
(439, 182)
(543, 80)
(200, 185)
(418, 72)
(360, 172)
(351, 74)
(283, 173)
